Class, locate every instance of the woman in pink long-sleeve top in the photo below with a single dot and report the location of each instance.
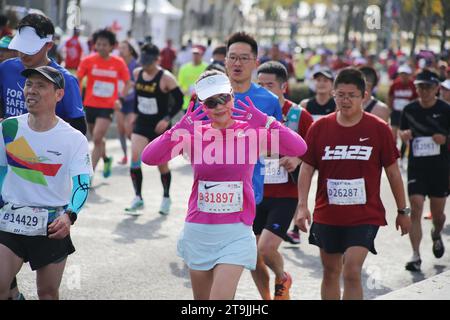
(217, 241)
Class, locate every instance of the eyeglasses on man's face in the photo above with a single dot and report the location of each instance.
(244, 58)
(342, 96)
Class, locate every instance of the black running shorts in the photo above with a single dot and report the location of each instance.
(337, 239)
(395, 118)
(275, 215)
(146, 128)
(38, 250)
(433, 182)
(93, 113)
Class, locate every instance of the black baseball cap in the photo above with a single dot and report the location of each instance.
(427, 76)
(324, 72)
(50, 73)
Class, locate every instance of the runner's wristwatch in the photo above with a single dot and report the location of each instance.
(72, 215)
(405, 211)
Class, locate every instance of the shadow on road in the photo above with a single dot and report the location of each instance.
(446, 230)
(371, 278)
(184, 169)
(300, 259)
(94, 197)
(130, 230)
(181, 272)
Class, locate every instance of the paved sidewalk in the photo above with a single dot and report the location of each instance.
(434, 288)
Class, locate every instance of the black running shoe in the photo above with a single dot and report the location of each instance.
(413, 266)
(438, 245)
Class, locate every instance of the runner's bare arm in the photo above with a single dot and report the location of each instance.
(395, 181)
(128, 85)
(303, 103)
(302, 213)
(405, 135)
(382, 111)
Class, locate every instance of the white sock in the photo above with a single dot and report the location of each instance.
(415, 256)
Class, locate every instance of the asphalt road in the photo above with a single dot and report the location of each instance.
(123, 257)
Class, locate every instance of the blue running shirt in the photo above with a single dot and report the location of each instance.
(268, 103)
(12, 98)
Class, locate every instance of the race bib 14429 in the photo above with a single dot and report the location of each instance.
(26, 221)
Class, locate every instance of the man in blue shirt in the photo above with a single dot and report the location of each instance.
(33, 40)
(240, 62)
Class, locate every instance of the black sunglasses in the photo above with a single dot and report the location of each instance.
(212, 103)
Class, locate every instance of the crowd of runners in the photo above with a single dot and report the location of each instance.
(253, 151)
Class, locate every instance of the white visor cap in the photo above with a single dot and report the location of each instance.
(404, 69)
(446, 84)
(28, 42)
(213, 85)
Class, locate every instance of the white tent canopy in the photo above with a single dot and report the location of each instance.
(155, 7)
(163, 18)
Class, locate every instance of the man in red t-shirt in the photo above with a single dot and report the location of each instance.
(274, 214)
(401, 93)
(103, 72)
(73, 51)
(168, 56)
(349, 148)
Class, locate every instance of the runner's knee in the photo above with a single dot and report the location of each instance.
(48, 292)
(331, 272)
(266, 249)
(352, 274)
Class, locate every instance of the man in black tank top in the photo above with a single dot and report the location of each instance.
(158, 100)
(370, 103)
(323, 102)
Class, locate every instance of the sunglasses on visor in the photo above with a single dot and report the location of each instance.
(212, 103)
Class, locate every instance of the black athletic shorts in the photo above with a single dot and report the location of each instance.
(146, 128)
(40, 251)
(275, 215)
(395, 118)
(93, 113)
(433, 182)
(337, 239)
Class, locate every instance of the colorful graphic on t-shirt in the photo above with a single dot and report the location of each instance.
(22, 159)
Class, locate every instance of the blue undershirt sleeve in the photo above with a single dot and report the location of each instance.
(3, 171)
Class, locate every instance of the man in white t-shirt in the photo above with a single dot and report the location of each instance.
(45, 170)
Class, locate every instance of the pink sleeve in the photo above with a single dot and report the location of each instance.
(167, 146)
(290, 143)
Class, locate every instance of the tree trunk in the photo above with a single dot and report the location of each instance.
(348, 22)
(220, 11)
(445, 23)
(418, 18)
(183, 21)
(381, 36)
(340, 44)
(133, 17)
(145, 19)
